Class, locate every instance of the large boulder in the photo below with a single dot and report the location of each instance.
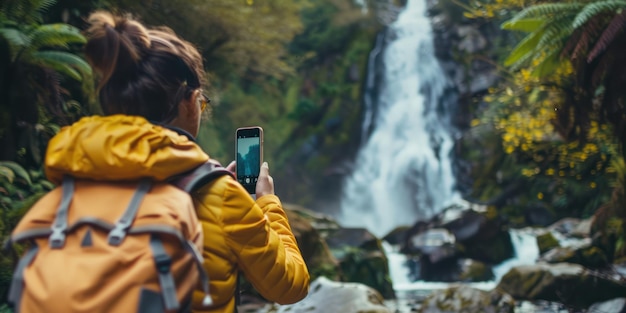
(464, 299)
(570, 284)
(361, 258)
(478, 232)
(584, 254)
(546, 241)
(330, 296)
(617, 305)
(315, 251)
(436, 245)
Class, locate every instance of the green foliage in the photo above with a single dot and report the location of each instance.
(22, 11)
(525, 25)
(32, 79)
(550, 9)
(595, 8)
(5, 309)
(235, 37)
(556, 89)
(64, 63)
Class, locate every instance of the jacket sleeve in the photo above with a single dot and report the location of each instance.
(267, 251)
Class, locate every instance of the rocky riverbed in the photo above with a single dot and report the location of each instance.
(351, 272)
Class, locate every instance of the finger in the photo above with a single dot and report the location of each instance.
(265, 169)
(232, 167)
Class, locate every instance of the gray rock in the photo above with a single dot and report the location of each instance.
(326, 296)
(570, 284)
(464, 299)
(617, 305)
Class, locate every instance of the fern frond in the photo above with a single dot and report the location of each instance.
(45, 5)
(55, 35)
(608, 35)
(556, 30)
(572, 43)
(594, 8)
(526, 25)
(64, 63)
(525, 49)
(588, 32)
(549, 64)
(16, 40)
(600, 71)
(548, 10)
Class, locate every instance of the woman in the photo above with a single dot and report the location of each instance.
(148, 77)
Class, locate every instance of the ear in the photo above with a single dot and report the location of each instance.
(189, 107)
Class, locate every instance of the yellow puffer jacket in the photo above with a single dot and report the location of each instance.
(240, 234)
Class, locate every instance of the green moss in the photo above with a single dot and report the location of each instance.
(546, 242)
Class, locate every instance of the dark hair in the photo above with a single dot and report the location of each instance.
(142, 71)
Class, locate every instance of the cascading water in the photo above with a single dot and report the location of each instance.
(403, 170)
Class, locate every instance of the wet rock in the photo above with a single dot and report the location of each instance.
(313, 246)
(617, 305)
(471, 39)
(435, 244)
(570, 284)
(450, 270)
(361, 258)
(474, 271)
(397, 235)
(329, 296)
(478, 232)
(565, 226)
(464, 299)
(546, 241)
(584, 254)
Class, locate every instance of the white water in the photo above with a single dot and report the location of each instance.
(526, 253)
(403, 171)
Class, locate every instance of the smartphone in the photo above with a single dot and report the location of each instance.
(249, 156)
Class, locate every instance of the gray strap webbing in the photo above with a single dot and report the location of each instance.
(163, 264)
(17, 284)
(59, 226)
(117, 234)
(204, 276)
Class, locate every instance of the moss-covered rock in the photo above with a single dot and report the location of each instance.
(570, 284)
(464, 299)
(586, 255)
(546, 241)
(361, 258)
(475, 271)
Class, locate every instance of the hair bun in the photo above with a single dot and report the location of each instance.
(115, 43)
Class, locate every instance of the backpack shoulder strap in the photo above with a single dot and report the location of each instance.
(200, 176)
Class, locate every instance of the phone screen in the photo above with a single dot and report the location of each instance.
(249, 156)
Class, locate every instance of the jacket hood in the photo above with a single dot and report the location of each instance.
(119, 147)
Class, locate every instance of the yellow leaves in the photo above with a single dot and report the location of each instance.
(592, 185)
(540, 196)
(475, 122)
(550, 172)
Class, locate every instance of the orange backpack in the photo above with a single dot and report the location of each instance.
(112, 247)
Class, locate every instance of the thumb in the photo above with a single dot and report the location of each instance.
(265, 169)
(232, 167)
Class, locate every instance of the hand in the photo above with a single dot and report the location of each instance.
(265, 184)
(232, 167)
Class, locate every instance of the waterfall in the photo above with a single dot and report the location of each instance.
(403, 170)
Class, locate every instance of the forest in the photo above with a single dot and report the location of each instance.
(552, 126)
